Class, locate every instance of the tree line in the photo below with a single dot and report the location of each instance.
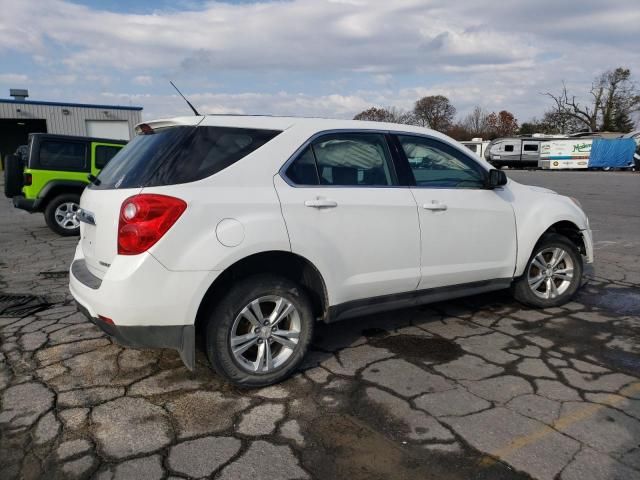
(612, 102)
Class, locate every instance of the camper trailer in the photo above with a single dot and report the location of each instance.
(514, 152)
(477, 146)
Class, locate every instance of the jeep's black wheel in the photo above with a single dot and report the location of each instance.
(60, 214)
(553, 274)
(13, 176)
(259, 332)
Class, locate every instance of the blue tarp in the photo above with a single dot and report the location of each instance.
(613, 153)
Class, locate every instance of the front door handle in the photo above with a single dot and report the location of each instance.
(436, 206)
(321, 203)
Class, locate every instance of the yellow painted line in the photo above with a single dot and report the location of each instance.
(586, 412)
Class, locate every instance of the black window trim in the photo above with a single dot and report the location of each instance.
(413, 184)
(393, 167)
(94, 163)
(86, 166)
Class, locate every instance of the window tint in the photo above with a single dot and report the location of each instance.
(358, 159)
(530, 147)
(436, 164)
(105, 153)
(508, 148)
(179, 155)
(57, 155)
(473, 148)
(303, 170)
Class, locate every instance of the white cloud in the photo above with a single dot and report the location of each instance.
(13, 78)
(476, 52)
(143, 80)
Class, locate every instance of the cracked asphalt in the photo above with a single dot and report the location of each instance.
(479, 388)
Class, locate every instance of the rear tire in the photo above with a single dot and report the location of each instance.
(253, 352)
(553, 273)
(13, 176)
(60, 214)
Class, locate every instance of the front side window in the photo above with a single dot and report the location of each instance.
(530, 147)
(438, 165)
(104, 153)
(57, 155)
(508, 148)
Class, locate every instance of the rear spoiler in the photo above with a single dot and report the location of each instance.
(168, 122)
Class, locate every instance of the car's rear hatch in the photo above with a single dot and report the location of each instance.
(162, 154)
(124, 176)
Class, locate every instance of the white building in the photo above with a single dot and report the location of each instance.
(19, 117)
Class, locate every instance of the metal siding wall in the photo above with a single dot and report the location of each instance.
(72, 124)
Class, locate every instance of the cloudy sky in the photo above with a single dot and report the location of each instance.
(312, 57)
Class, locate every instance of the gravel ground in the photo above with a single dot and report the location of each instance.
(479, 388)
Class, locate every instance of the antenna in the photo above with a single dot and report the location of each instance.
(185, 99)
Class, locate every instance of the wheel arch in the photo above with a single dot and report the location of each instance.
(567, 228)
(285, 263)
(59, 187)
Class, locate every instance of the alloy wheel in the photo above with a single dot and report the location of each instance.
(550, 273)
(66, 215)
(265, 334)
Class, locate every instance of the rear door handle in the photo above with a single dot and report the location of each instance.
(436, 206)
(321, 203)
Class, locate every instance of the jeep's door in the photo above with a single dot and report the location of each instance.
(468, 231)
(346, 214)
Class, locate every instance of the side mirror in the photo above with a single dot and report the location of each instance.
(496, 178)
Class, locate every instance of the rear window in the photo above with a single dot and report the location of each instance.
(179, 155)
(62, 155)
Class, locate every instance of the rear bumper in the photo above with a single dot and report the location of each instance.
(149, 305)
(177, 337)
(28, 204)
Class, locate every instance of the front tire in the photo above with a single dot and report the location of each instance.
(553, 273)
(258, 334)
(60, 214)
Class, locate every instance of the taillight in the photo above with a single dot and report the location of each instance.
(28, 179)
(144, 219)
(106, 320)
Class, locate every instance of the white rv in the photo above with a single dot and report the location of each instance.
(477, 146)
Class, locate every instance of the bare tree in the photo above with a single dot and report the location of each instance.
(476, 123)
(614, 99)
(435, 112)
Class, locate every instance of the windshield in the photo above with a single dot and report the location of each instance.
(179, 155)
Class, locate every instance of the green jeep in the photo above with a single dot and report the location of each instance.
(50, 174)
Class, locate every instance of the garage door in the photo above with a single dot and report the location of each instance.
(115, 129)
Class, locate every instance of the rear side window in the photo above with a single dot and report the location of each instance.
(104, 153)
(303, 171)
(345, 159)
(57, 155)
(530, 147)
(179, 155)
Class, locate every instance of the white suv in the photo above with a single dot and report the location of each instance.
(248, 229)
